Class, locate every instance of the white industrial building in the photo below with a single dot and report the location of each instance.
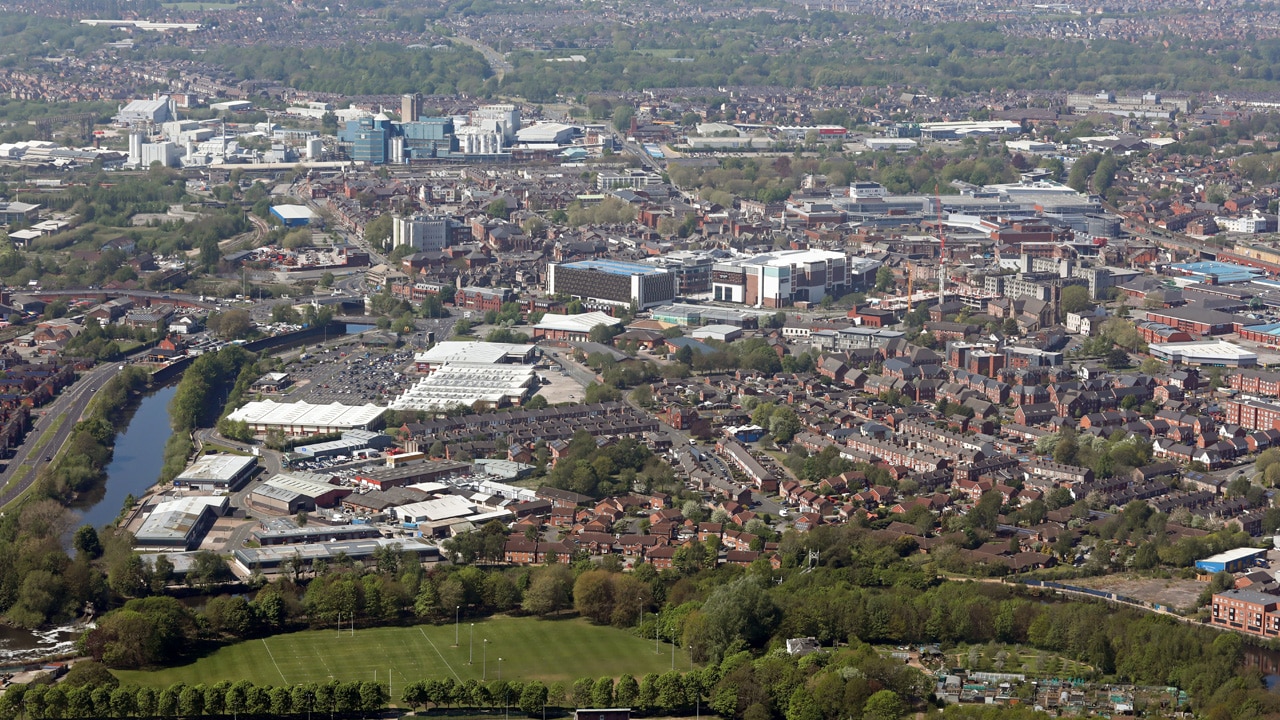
(474, 140)
(572, 327)
(501, 119)
(469, 385)
(140, 112)
(547, 133)
(218, 472)
(303, 418)
(143, 154)
(463, 352)
(181, 523)
(1212, 353)
(421, 232)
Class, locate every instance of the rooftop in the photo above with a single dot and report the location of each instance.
(217, 467)
(615, 267)
(479, 353)
(304, 414)
(583, 322)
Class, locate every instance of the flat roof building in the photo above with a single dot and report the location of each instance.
(1231, 561)
(612, 281)
(293, 215)
(1215, 353)
(389, 477)
(782, 278)
(180, 523)
(218, 472)
(474, 353)
(271, 560)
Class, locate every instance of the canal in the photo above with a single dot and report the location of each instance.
(135, 464)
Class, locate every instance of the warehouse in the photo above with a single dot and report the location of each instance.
(180, 523)
(572, 328)
(612, 281)
(1214, 353)
(311, 490)
(1232, 561)
(474, 353)
(488, 386)
(1194, 320)
(284, 532)
(293, 215)
(389, 477)
(352, 442)
(302, 418)
(272, 560)
(218, 472)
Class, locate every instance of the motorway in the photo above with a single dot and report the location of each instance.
(18, 476)
(497, 62)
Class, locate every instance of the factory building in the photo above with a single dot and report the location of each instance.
(141, 112)
(218, 472)
(291, 492)
(612, 281)
(180, 523)
(272, 560)
(302, 418)
(293, 215)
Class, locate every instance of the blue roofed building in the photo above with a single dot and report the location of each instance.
(615, 282)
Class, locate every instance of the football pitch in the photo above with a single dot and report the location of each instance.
(530, 648)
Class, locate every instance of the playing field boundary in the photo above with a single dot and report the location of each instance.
(560, 650)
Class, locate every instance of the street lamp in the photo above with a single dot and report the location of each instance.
(471, 644)
(655, 633)
(457, 612)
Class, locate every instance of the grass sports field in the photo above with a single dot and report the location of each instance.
(531, 649)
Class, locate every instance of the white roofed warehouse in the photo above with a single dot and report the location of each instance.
(218, 472)
(572, 327)
(302, 418)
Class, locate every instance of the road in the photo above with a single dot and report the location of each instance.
(72, 402)
(496, 60)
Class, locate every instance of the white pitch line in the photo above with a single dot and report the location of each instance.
(273, 661)
(446, 662)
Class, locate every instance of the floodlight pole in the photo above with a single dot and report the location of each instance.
(484, 668)
(471, 644)
(655, 633)
(457, 612)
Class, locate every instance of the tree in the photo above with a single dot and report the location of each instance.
(622, 116)
(234, 324)
(533, 698)
(602, 692)
(593, 597)
(86, 542)
(377, 232)
(1075, 298)
(884, 279)
(883, 705)
(497, 209)
(550, 590)
(642, 396)
(784, 424)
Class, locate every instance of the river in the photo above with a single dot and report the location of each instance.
(137, 460)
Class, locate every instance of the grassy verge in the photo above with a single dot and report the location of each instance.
(530, 648)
